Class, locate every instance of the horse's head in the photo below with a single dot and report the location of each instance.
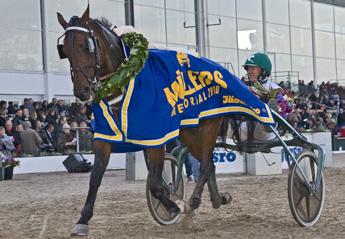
(94, 51)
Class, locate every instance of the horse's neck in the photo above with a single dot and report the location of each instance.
(113, 49)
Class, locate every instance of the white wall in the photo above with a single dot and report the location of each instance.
(18, 85)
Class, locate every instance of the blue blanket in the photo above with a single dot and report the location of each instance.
(173, 90)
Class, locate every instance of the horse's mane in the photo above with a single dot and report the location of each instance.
(75, 20)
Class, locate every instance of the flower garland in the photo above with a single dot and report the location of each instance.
(139, 52)
(276, 100)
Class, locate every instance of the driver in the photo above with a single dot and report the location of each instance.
(258, 67)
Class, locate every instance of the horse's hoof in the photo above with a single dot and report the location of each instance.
(194, 203)
(226, 198)
(216, 202)
(174, 209)
(80, 230)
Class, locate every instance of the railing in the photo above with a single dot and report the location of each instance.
(77, 130)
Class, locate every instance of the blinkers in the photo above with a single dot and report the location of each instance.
(90, 41)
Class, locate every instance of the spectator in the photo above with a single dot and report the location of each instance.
(33, 119)
(53, 105)
(61, 121)
(62, 107)
(18, 118)
(81, 116)
(2, 117)
(17, 139)
(50, 136)
(51, 118)
(85, 138)
(47, 136)
(26, 114)
(66, 142)
(6, 143)
(75, 107)
(44, 106)
(341, 118)
(28, 104)
(3, 105)
(194, 165)
(11, 110)
(41, 116)
(31, 141)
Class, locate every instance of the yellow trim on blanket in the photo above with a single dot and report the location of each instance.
(125, 104)
(110, 120)
(154, 142)
(104, 136)
(189, 121)
(229, 109)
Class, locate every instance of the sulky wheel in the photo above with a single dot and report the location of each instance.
(306, 207)
(169, 175)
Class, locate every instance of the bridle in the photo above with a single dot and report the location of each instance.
(93, 46)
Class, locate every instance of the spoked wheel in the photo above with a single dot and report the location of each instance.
(169, 175)
(306, 207)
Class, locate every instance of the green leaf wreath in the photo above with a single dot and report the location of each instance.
(139, 52)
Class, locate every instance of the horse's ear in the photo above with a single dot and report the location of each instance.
(86, 15)
(62, 21)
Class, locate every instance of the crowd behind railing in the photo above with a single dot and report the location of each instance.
(43, 128)
(51, 128)
(316, 108)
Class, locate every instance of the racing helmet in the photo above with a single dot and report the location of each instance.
(261, 60)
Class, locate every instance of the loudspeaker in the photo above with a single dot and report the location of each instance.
(76, 163)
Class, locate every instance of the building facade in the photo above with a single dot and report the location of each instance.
(304, 38)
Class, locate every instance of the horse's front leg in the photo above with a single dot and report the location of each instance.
(102, 154)
(158, 189)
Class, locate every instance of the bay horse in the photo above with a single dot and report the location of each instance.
(95, 51)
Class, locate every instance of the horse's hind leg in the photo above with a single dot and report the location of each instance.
(158, 190)
(102, 154)
(201, 144)
(217, 198)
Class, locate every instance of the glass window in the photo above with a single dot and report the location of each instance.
(339, 19)
(300, 13)
(301, 43)
(184, 5)
(150, 21)
(176, 31)
(67, 8)
(250, 35)
(324, 44)
(221, 7)
(21, 14)
(278, 38)
(183, 47)
(340, 44)
(55, 64)
(277, 11)
(249, 9)
(223, 35)
(113, 11)
(325, 70)
(225, 57)
(153, 3)
(340, 71)
(21, 50)
(304, 66)
(280, 62)
(323, 16)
